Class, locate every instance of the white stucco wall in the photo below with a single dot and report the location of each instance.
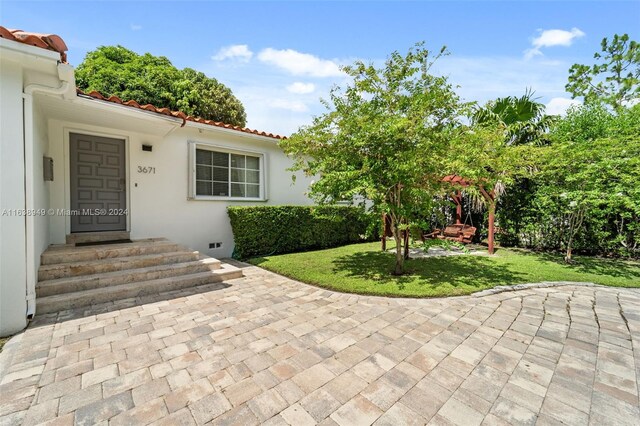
(12, 227)
(158, 203)
(40, 187)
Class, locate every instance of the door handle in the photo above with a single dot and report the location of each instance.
(123, 183)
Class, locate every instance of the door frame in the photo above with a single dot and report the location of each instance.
(67, 169)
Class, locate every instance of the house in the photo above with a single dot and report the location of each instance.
(77, 165)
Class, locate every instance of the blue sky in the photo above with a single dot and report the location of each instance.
(280, 58)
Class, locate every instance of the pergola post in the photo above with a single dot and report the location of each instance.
(458, 200)
(492, 216)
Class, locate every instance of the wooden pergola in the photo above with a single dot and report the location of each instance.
(489, 196)
(459, 182)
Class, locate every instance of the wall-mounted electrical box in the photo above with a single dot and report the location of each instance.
(47, 168)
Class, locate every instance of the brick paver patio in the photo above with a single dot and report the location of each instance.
(266, 349)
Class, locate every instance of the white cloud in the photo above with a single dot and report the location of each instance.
(301, 88)
(261, 86)
(238, 52)
(298, 63)
(135, 27)
(559, 106)
(549, 38)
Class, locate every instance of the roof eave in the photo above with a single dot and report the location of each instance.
(141, 113)
(26, 49)
(233, 132)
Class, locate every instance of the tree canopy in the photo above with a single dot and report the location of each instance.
(382, 138)
(599, 162)
(615, 80)
(585, 195)
(522, 120)
(115, 70)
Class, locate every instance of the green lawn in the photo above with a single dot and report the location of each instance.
(364, 269)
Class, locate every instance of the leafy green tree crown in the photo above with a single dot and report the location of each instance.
(383, 137)
(522, 120)
(116, 70)
(614, 80)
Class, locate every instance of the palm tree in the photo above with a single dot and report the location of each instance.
(523, 119)
(524, 122)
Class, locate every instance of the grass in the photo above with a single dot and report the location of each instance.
(4, 340)
(364, 269)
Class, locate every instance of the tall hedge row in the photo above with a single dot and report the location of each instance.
(266, 230)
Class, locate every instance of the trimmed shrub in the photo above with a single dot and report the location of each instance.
(266, 230)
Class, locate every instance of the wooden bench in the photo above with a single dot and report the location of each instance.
(460, 233)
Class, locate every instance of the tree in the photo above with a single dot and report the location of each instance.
(592, 175)
(490, 163)
(382, 138)
(522, 119)
(615, 80)
(148, 79)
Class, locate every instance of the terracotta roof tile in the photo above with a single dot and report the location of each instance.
(43, 41)
(177, 114)
(55, 43)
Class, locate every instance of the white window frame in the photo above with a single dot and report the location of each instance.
(193, 145)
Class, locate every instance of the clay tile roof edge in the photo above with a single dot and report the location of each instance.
(56, 44)
(51, 42)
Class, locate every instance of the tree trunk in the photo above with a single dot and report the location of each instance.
(567, 257)
(406, 243)
(575, 222)
(399, 270)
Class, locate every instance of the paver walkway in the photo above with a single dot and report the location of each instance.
(269, 349)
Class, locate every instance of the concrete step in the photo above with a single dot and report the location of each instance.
(67, 254)
(88, 282)
(74, 269)
(79, 299)
(93, 237)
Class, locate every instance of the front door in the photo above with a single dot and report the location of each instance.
(98, 184)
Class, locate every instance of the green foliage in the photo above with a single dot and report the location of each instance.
(382, 138)
(615, 80)
(265, 230)
(587, 194)
(148, 79)
(522, 120)
(485, 157)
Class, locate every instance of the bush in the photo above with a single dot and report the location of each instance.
(266, 230)
(593, 163)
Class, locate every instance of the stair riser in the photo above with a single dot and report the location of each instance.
(118, 264)
(142, 289)
(87, 255)
(162, 271)
(94, 237)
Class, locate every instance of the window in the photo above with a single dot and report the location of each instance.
(227, 174)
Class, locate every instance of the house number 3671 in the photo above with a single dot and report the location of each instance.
(147, 170)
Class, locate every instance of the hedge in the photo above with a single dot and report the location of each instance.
(266, 230)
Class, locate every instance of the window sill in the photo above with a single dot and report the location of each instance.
(206, 198)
